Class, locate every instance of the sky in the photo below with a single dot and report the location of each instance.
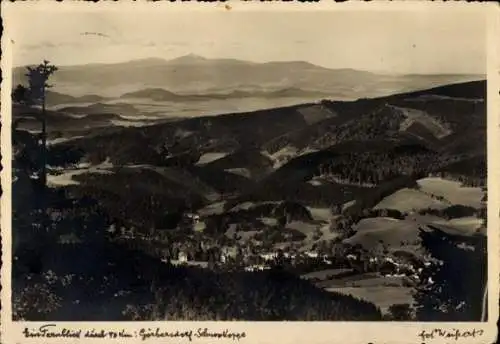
(425, 42)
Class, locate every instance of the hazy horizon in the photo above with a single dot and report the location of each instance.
(392, 42)
(235, 59)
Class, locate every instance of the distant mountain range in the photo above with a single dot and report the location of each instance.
(193, 74)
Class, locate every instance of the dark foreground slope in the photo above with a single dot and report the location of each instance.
(113, 284)
(78, 272)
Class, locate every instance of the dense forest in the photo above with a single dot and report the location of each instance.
(373, 168)
(108, 281)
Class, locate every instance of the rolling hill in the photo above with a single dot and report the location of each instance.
(55, 98)
(440, 125)
(338, 152)
(160, 94)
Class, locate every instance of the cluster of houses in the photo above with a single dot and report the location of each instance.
(261, 261)
(264, 260)
(389, 267)
(253, 260)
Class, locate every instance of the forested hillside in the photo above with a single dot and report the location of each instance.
(218, 217)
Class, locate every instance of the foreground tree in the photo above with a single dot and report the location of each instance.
(453, 287)
(38, 84)
(20, 95)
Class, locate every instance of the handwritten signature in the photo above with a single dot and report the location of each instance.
(455, 334)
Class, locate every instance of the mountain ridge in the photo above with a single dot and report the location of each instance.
(194, 74)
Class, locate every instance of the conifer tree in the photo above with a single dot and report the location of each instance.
(445, 294)
(36, 95)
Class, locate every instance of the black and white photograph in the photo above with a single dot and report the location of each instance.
(223, 164)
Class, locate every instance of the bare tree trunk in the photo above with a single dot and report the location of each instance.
(44, 196)
(44, 142)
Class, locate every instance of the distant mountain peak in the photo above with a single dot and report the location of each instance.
(297, 63)
(151, 59)
(139, 62)
(189, 58)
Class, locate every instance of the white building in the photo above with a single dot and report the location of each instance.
(311, 254)
(269, 256)
(182, 257)
(257, 267)
(194, 217)
(289, 255)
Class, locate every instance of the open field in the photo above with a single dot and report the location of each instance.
(209, 157)
(65, 178)
(321, 214)
(325, 274)
(304, 227)
(315, 113)
(371, 232)
(366, 280)
(280, 157)
(212, 209)
(244, 172)
(269, 221)
(382, 291)
(407, 200)
(418, 116)
(452, 191)
(382, 297)
(463, 225)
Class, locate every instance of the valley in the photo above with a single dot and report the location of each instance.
(247, 191)
(337, 192)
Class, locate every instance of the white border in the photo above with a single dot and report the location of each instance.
(271, 332)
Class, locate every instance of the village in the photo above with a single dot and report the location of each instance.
(203, 251)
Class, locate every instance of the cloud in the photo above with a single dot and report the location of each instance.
(42, 45)
(95, 34)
